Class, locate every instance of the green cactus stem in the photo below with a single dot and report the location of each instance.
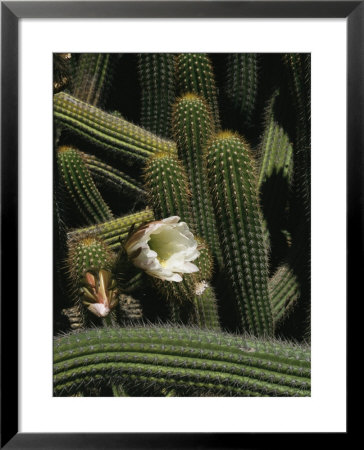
(168, 193)
(167, 188)
(242, 83)
(195, 75)
(114, 231)
(275, 148)
(92, 78)
(108, 131)
(81, 187)
(108, 175)
(188, 360)
(193, 127)
(233, 184)
(156, 73)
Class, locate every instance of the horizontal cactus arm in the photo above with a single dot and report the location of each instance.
(109, 175)
(113, 231)
(211, 361)
(107, 130)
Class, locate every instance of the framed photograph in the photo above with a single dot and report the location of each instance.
(181, 209)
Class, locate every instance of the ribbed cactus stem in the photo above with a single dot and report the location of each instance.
(167, 187)
(191, 361)
(193, 127)
(114, 231)
(156, 72)
(195, 75)
(168, 192)
(242, 83)
(233, 183)
(92, 77)
(284, 291)
(107, 175)
(80, 186)
(108, 131)
(275, 149)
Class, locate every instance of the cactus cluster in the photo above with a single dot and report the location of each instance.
(223, 142)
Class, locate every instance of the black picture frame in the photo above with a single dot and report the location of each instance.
(11, 12)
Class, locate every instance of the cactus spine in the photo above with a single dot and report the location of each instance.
(193, 127)
(80, 186)
(108, 131)
(233, 183)
(195, 75)
(191, 361)
(156, 72)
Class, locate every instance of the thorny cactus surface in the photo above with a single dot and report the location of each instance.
(182, 224)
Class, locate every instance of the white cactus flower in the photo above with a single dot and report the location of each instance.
(164, 249)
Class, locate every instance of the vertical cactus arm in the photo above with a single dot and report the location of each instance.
(167, 188)
(195, 75)
(92, 77)
(241, 84)
(80, 185)
(193, 128)
(113, 231)
(107, 174)
(233, 183)
(185, 358)
(108, 131)
(168, 191)
(156, 73)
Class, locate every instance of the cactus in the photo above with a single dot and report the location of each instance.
(156, 71)
(233, 183)
(80, 185)
(242, 83)
(275, 179)
(193, 128)
(90, 264)
(167, 187)
(92, 77)
(114, 231)
(157, 308)
(104, 174)
(108, 131)
(185, 359)
(195, 75)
